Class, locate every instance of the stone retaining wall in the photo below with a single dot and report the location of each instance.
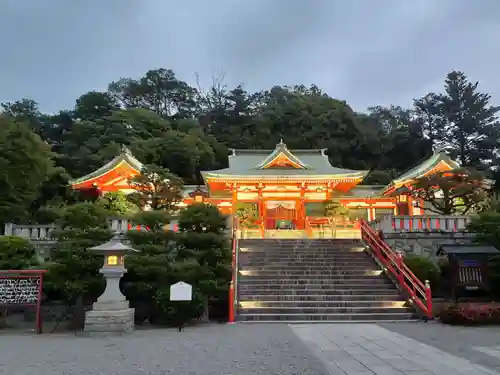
(422, 243)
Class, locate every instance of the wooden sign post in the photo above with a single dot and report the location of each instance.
(181, 292)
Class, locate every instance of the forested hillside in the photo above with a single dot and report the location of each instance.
(167, 122)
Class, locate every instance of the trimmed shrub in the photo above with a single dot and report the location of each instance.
(471, 314)
(424, 268)
(16, 253)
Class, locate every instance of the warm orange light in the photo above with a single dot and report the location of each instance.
(112, 260)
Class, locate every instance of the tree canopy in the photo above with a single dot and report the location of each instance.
(175, 126)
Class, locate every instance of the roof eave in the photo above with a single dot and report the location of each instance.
(321, 176)
(123, 157)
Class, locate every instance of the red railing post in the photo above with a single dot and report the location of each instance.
(399, 258)
(38, 316)
(428, 298)
(231, 303)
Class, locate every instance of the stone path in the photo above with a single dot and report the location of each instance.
(477, 344)
(244, 349)
(205, 350)
(371, 349)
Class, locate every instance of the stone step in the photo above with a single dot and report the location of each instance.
(307, 261)
(304, 252)
(293, 249)
(299, 260)
(333, 276)
(390, 295)
(288, 304)
(311, 273)
(358, 266)
(322, 310)
(314, 288)
(328, 280)
(334, 317)
(307, 256)
(301, 268)
(326, 290)
(284, 241)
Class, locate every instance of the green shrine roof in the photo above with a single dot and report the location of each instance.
(283, 163)
(423, 168)
(125, 156)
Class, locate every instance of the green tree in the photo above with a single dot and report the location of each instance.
(486, 228)
(26, 164)
(464, 120)
(73, 270)
(156, 188)
(17, 253)
(154, 269)
(451, 192)
(397, 139)
(93, 105)
(159, 91)
(117, 203)
(205, 251)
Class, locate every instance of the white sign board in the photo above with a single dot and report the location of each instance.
(181, 292)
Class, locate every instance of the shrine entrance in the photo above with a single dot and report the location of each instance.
(280, 215)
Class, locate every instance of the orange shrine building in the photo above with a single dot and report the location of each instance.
(287, 189)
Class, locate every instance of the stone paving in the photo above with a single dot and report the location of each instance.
(477, 344)
(244, 349)
(205, 350)
(372, 349)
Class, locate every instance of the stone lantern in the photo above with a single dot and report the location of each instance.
(111, 313)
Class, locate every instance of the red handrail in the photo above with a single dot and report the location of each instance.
(419, 292)
(234, 276)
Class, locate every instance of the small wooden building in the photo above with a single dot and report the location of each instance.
(465, 270)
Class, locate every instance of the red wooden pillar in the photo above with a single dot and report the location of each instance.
(261, 208)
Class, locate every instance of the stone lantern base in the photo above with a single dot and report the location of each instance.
(109, 318)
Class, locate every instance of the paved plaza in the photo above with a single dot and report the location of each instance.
(244, 349)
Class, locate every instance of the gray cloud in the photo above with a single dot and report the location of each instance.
(367, 52)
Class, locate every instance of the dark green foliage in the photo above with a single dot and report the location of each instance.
(154, 269)
(117, 204)
(205, 250)
(202, 218)
(16, 253)
(156, 188)
(486, 228)
(73, 270)
(424, 269)
(453, 192)
(494, 274)
(26, 163)
(168, 123)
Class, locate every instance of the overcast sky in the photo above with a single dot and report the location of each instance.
(367, 52)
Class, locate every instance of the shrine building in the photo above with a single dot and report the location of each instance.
(286, 188)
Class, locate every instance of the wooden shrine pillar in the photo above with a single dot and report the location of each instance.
(262, 210)
(328, 193)
(234, 198)
(301, 211)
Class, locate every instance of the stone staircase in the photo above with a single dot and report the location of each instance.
(320, 280)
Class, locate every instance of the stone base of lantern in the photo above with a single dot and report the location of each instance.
(109, 318)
